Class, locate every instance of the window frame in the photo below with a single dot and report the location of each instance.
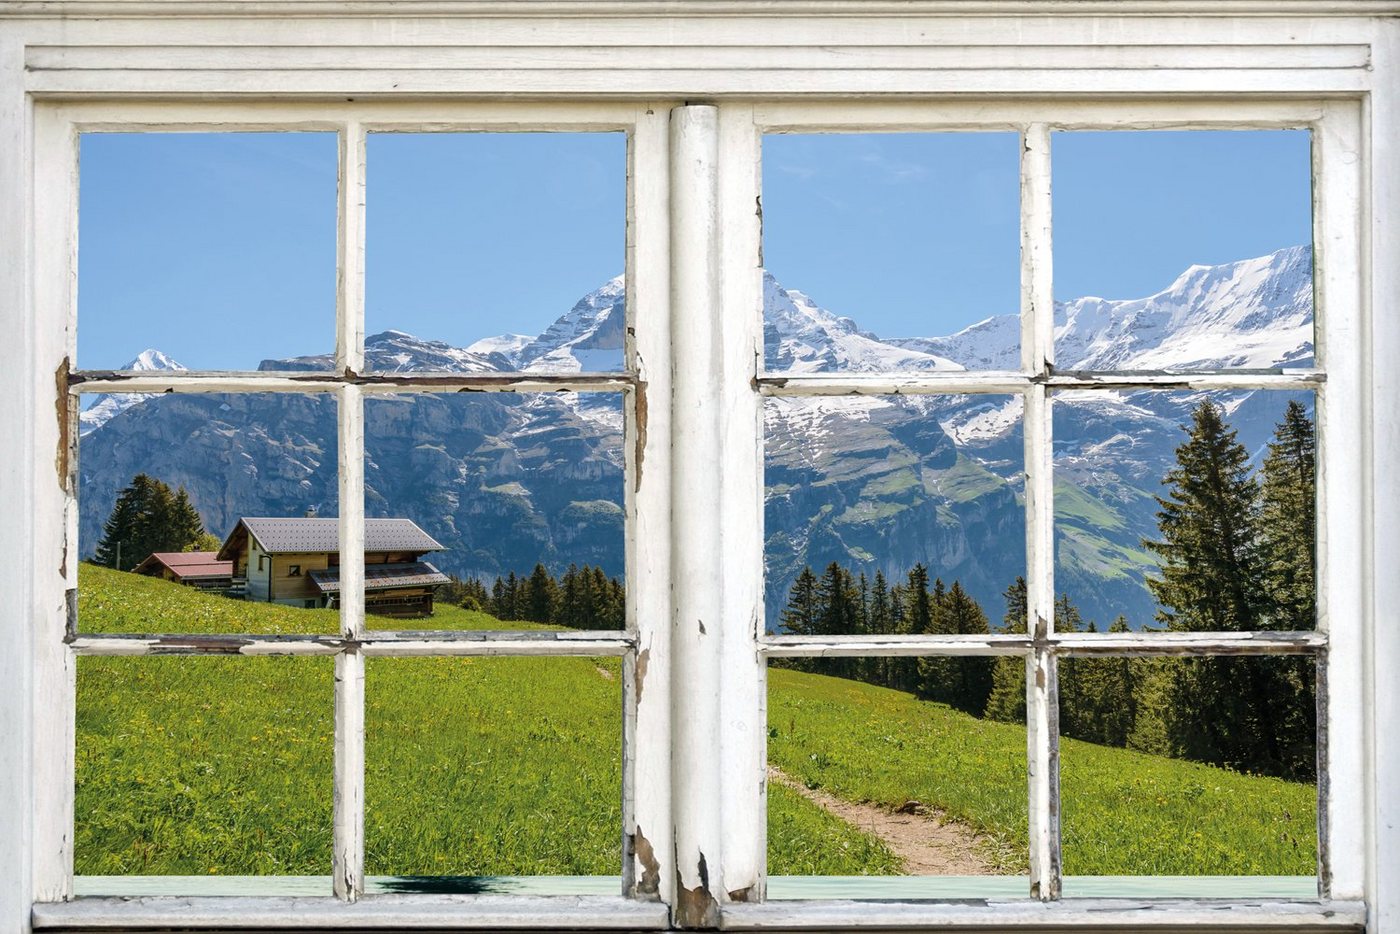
(700, 253)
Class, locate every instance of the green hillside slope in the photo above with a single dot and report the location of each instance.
(491, 766)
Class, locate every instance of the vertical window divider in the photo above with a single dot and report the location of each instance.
(1037, 360)
(347, 862)
(648, 869)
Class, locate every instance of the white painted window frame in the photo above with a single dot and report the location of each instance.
(694, 748)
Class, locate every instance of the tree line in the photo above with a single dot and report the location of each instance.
(582, 598)
(1236, 552)
(149, 517)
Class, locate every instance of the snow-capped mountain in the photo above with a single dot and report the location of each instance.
(588, 339)
(398, 352)
(109, 405)
(874, 483)
(1252, 313)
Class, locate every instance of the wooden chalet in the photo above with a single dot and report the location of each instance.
(296, 561)
(201, 569)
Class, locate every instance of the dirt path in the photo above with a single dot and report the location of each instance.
(928, 845)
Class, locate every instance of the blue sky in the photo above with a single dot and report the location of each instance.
(220, 248)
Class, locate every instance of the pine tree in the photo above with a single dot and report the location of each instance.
(836, 602)
(541, 596)
(799, 617)
(1209, 554)
(1288, 526)
(1007, 701)
(148, 517)
(1245, 713)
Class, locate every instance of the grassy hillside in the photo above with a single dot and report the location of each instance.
(509, 766)
(1123, 813)
(474, 766)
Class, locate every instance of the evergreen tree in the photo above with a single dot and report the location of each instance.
(961, 682)
(1209, 554)
(1215, 556)
(541, 596)
(800, 615)
(1007, 701)
(1288, 526)
(836, 601)
(148, 517)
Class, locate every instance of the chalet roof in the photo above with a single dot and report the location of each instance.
(187, 564)
(284, 535)
(382, 576)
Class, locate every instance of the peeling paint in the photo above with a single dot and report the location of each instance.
(741, 895)
(697, 908)
(701, 624)
(70, 612)
(64, 411)
(650, 882)
(640, 406)
(643, 659)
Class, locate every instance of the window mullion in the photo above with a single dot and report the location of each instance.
(347, 864)
(1343, 495)
(1037, 358)
(648, 856)
(697, 563)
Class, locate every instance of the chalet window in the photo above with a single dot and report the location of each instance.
(694, 724)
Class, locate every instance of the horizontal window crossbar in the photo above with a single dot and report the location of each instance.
(472, 642)
(961, 381)
(1079, 643)
(105, 381)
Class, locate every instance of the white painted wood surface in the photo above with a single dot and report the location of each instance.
(697, 543)
(1379, 811)
(743, 671)
(1134, 63)
(19, 720)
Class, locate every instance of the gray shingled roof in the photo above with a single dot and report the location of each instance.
(279, 535)
(383, 577)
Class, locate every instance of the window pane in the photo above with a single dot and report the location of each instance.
(212, 251)
(1189, 767)
(874, 502)
(487, 510)
(891, 252)
(888, 784)
(1185, 511)
(203, 766)
(1177, 250)
(495, 251)
(205, 512)
(492, 767)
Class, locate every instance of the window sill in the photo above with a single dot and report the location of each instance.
(373, 912)
(1085, 914)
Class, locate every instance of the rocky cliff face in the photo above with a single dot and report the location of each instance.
(876, 484)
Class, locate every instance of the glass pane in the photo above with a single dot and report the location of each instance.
(184, 236)
(186, 503)
(203, 766)
(493, 767)
(495, 251)
(891, 252)
(1183, 250)
(491, 508)
(1185, 511)
(869, 781)
(1189, 767)
(872, 503)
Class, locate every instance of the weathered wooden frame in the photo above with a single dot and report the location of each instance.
(797, 64)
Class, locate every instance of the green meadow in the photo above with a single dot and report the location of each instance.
(512, 766)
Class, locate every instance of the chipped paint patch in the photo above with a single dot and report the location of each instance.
(697, 907)
(650, 882)
(64, 410)
(643, 660)
(639, 403)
